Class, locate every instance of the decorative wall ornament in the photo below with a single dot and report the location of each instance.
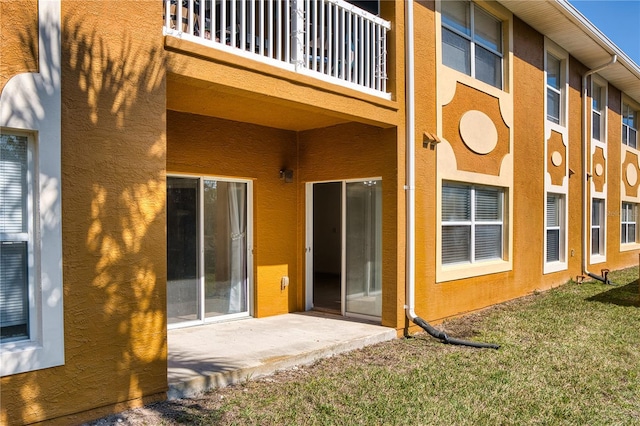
(632, 174)
(599, 169)
(556, 161)
(478, 132)
(473, 126)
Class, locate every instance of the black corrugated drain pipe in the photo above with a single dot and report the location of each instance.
(604, 279)
(434, 332)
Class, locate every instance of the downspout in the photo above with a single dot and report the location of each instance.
(585, 132)
(410, 193)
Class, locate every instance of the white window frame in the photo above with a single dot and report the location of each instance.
(44, 346)
(473, 223)
(471, 38)
(601, 114)
(202, 318)
(560, 90)
(27, 236)
(629, 216)
(41, 91)
(560, 228)
(628, 129)
(598, 254)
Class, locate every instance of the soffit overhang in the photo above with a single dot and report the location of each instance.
(566, 26)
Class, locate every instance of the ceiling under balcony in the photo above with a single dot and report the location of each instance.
(204, 98)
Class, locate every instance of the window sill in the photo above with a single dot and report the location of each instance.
(629, 148)
(597, 258)
(629, 246)
(25, 356)
(473, 82)
(469, 270)
(551, 267)
(560, 128)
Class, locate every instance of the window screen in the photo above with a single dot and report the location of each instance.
(14, 290)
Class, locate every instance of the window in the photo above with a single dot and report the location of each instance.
(31, 293)
(472, 41)
(629, 126)
(472, 223)
(31, 315)
(597, 108)
(597, 227)
(555, 220)
(554, 92)
(628, 223)
(16, 237)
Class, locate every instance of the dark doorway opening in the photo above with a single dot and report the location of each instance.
(327, 246)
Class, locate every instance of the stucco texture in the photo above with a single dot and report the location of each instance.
(214, 147)
(455, 297)
(425, 193)
(113, 221)
(629, 165)
(18, 38)
(556, 171)
(618, 256)
(467, 99)
(357, 151)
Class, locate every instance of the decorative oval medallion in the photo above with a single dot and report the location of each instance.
(478, 132)
(599, 169)
(556, 158)
(632, 174)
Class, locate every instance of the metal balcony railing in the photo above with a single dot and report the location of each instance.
(329, 39)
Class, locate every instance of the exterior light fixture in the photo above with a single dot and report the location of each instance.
(286, 175)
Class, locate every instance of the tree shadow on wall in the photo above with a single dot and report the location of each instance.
(113, 215)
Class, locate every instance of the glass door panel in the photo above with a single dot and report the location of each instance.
(207, 249)
(182, 249)
(225, 248)
(363, 282)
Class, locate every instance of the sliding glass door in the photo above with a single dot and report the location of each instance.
(208, 257)
(344, 247)
(363, 248)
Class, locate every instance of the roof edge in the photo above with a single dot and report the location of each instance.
(596, 35)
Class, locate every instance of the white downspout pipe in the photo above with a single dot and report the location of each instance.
(410, 147)
(410, 191)
(585, 179)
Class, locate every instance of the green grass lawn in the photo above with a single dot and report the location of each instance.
(570, 355)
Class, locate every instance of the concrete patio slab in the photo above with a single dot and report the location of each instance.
(216, 355)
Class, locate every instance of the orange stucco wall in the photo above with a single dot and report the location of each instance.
(113, 220)
(136, 107)
(441, 300)
(425, 195)
(18, 38)
(466, 98)
(437, 301)
(249, 120)
(214, 147)
(210, 146)
(616, 257)
(557, 173)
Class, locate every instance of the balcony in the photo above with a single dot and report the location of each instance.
(331, 40)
